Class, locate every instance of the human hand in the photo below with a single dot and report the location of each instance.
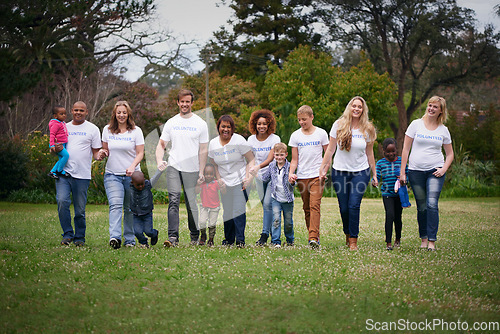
(374, 182)
(222, 184)
(102, 154)
(58, 147)
(130, 171)
(254, 170)
(162, 166)
(439, 172)
(292, 178)
(402, 179)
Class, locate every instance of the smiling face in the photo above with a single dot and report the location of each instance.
(225, 130)
(121, 114)
(356, 108)
(79, 112)
(280, 157)
(185, 104)
(262, 125)
(305, 120)
(433, 110)
(390, 152)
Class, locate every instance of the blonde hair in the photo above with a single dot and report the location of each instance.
(344, 132)
(279, 147)
(444, 111)
(113, 122)
(305, 109)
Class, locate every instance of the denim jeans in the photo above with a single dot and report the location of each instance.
(350, 188)
(426, 189)
(118, 192)
(393, 212)
(176, 181)
(265, 198)
(287, 209)
(235, 219)
(144, 225)
(65, 187)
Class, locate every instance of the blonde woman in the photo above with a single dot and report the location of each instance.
(123, 144)
(351, 140)
(426, 137)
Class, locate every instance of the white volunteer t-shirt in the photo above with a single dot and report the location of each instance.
(355, 160)
(261, 149)
(230, 158)
(310, 149)
(186, 135)
(426, 150)
(122, 149)
(81, 140)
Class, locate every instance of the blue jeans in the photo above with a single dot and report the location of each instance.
(176, 181)
(350, 188)
(118, 192)
(144, 225)
(63, 159)
(426, 188)
(234, 203)
(265, 198)
(287, 209)
(65, 187)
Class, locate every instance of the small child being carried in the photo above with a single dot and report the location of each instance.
(59, 135)
(282, 197)
(210, 205)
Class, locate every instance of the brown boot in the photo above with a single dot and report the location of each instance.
(347, 239)
(353, 244)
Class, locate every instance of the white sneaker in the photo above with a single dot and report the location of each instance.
(277, 246)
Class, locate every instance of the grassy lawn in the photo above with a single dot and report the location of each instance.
(48, 288)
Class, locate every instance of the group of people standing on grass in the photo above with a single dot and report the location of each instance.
(222, 171)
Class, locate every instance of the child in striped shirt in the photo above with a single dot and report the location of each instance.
(387, 174)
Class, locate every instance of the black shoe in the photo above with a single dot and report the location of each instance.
(79, 243)
(240, 244)
(263, 239)
(66, 241)
(53, 175)
(63, 174)
(115, 243)
(154, 240)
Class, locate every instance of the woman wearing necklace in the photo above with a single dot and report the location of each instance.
(351, 139)
(426, 137)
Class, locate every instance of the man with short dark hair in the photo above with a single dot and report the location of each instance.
(188, 134)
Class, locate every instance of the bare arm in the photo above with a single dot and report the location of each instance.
(202, 157)
(160, 151)
(139, 154)
(292, 177)
(371, 162)
(327, 158)
(404, 158)
(448, 150)
(250, 158)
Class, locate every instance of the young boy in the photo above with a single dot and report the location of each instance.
(141, 205)
(210, 204)
(308, 144)
(281, 195)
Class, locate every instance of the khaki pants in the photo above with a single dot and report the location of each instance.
(311, 191)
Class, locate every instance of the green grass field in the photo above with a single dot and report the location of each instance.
(48, 288)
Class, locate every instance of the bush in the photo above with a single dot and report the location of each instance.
(13, 166)
(32, 196)
(41, 161)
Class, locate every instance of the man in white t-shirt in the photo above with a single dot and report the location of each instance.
(84, 142)
(188, 135)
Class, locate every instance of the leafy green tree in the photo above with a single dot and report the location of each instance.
(424, 45)
(262, 30)
(307, 77)
(227, 94)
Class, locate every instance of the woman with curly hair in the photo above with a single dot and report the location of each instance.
(262, 126)
(352, 136)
